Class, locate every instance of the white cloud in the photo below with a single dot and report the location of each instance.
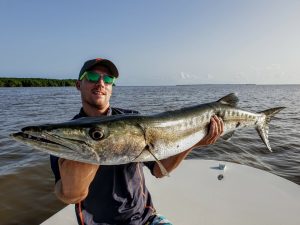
(273, 67)
(184, 75)
(209, 76)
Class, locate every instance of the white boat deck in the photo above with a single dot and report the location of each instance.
(193, 195)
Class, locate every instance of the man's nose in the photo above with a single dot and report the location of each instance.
(101, 82)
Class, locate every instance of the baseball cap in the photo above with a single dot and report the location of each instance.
(98, 61)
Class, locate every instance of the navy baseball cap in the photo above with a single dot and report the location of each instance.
(102, 62)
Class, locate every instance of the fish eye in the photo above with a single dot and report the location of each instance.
(96, 133)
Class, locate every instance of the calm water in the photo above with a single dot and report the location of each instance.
(26, 189)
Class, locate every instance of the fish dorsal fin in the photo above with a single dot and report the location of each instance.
(230, 99)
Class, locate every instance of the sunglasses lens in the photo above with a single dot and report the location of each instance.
(95, 77)
(108, 79)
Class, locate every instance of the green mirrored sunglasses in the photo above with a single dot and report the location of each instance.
(95, 77)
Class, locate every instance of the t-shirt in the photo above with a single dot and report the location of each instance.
(118, 194)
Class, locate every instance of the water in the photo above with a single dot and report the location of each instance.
(26, 180)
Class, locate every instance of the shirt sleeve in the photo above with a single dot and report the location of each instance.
(54, 167)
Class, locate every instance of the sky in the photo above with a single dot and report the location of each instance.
(157, 42)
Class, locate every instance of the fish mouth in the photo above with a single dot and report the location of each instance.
(37, 138)
(53, 144)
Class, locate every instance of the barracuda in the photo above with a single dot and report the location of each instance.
(123, 139)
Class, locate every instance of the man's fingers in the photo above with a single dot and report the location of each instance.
(215, 130)
(211, 128)
(220, 125)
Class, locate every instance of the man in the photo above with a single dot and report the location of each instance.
(111, 194)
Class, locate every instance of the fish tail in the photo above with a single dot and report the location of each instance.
(263, 128)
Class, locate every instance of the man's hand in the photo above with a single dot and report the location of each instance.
(215, 130)
(76, 178)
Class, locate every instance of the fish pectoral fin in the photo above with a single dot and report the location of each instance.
(161, 166)
(228, 136)
(230, 99)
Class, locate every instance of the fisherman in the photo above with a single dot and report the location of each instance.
(113, 194)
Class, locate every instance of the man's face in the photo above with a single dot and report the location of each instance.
(95, 94)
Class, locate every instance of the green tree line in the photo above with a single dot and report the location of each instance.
(35, 82)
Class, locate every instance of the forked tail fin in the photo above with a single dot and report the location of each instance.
(263, 129)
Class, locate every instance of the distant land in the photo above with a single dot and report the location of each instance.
(35, 82)
(237, 84)
(210, 84)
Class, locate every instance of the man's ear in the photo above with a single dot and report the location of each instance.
(78, 83)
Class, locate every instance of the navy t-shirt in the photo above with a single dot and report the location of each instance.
(118, 194)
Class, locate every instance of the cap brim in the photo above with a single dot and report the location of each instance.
(103, 62)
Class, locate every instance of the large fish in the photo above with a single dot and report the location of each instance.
(120, 139)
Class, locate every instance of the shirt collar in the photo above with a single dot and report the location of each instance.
(83, 114)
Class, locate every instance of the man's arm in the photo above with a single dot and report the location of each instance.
(215, 130)
(76, 178)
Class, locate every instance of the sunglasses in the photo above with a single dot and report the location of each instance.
(95, 77)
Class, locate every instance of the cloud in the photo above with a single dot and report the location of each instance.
(194, 78)
(273, 67)
(209, 76)
(272, 73)
(184, 75)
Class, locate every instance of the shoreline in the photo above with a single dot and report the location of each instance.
(35, 82)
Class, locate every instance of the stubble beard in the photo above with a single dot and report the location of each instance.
(103, 103)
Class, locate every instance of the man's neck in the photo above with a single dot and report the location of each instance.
(93, 111)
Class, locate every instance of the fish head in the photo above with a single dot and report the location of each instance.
(106, 141)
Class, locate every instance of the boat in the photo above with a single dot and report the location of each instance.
(215, 192)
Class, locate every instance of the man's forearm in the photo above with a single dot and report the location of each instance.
(76, 178)
(67, 198)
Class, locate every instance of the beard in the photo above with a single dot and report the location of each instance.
(97, 98)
